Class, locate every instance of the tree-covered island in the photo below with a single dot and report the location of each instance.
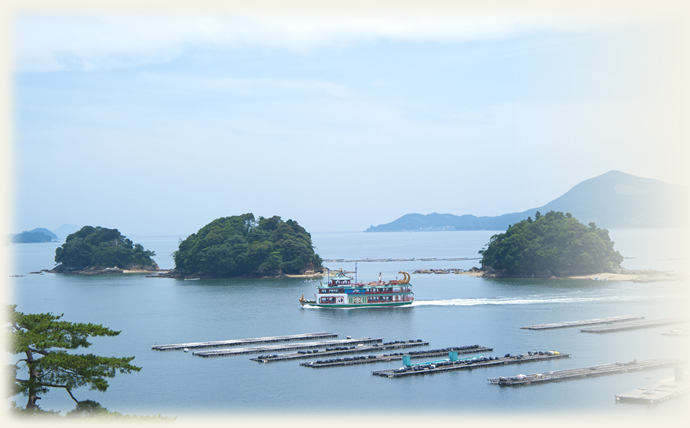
(554, 244)
(39, 234)
(242, 246)
(97, 249)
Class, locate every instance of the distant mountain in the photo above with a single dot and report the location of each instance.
(611, 200)
(64, 230)
(36, 235)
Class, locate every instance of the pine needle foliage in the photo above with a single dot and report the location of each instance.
(43, 341)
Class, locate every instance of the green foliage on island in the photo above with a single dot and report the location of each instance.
(99, 247)
(242, 246)
(553, 244)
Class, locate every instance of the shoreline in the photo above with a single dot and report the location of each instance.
(169, 273)
(305, 275)
(102, 271)
(144, 270)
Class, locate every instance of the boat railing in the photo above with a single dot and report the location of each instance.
(389, 290)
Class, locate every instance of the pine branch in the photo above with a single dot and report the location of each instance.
(38, 351)
(51, 385)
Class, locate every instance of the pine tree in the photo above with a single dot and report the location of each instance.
(43, 339)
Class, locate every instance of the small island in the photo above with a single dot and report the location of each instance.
(242, 246)
(98, 250)
(552, 245)
(39, 234)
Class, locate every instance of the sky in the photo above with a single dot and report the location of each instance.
(157, 123)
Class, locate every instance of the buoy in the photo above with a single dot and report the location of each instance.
(186, 349)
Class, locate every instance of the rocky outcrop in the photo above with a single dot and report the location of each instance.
(189, 275)
(97, 270)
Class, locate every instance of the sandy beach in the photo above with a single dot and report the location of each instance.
(308, 275)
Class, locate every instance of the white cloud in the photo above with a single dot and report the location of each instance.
(87, 42)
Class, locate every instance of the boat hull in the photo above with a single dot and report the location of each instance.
(361, 305)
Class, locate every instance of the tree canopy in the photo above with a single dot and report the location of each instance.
(242, 246)
(43, 340)
(101, 247)
(552, 244)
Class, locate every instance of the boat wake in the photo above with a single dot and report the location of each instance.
(536, 300)
(529, 300)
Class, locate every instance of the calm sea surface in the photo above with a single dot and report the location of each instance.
(450, 310)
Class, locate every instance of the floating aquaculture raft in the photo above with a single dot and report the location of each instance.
(305, 345)
(364, 359)
(583, 372)
(634, 325)
(468, 364)
(658, 393)
(235, 342)
(581, 323)
(340, 350)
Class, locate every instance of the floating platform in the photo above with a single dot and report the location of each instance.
(271, 348)
(594, 321)
(426, 259)
(584, 372)
(662, 391)
(633, 325)
(350, 350)
(235, 342)
(429, 368)
(366, 359)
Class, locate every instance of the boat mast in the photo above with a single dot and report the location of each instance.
(355, 272)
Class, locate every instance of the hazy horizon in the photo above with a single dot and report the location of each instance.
(158, 124)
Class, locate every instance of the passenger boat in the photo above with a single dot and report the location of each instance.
(340, 292)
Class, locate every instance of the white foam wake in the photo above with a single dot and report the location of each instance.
(531, 300)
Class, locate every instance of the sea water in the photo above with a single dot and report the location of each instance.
(449, 310)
